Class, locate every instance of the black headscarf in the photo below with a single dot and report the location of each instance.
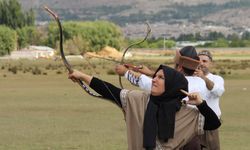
(159, 120)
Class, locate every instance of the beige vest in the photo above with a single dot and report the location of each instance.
(187, 124)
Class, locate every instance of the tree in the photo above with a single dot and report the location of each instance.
(12, 16)
(220, 43)
(215, 36)
(186, 37)
(8, 40)
(30, 17)
(237, 43)
(233, 37)
(198, 36)
(246, 35)
(94, 35)
(29, 35)
(170, 43)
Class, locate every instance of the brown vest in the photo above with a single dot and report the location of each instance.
(188, 123)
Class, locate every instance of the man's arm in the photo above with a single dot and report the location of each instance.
(141, 80)
(146, 71)
(209, 83)
(135, 78)
(218, 88)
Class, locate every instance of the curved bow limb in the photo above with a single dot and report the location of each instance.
(130, 46)
(66, 63)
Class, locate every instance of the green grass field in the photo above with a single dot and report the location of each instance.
(49, 112)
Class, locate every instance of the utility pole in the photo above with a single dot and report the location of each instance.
(164, 42)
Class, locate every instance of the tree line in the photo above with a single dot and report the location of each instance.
(79, 37)
(217, 39)
(17, 31)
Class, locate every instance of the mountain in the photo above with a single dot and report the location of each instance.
(169, 17)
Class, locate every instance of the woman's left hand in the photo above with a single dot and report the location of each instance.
(75, 75)
(194, 98)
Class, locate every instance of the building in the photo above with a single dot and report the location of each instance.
(33, 52)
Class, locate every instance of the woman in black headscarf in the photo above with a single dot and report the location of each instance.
(157, 119)
(160, 113)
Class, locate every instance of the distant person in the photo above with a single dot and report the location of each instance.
(215, 87)
(157, 120)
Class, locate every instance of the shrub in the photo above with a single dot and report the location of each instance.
(13, 69)
(48, 67)
(111, 72)
(222, 72)
(58, 72)
(8, 40)
(36, 71)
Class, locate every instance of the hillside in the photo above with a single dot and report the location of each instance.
(122, 12)
(78, 4)
(229, 15)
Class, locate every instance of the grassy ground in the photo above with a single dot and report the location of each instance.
(235, 109)
(49, 112)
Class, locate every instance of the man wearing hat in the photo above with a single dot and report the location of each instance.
(215, 87)
(186, 61)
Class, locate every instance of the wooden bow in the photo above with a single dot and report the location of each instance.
(66, 63)
(130, 46)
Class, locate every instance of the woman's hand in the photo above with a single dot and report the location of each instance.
(120, 70)
(77, 75)
(145, 70)
(194, 98)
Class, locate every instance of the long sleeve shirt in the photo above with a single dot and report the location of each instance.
(213, 96)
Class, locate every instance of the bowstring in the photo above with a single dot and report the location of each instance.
(93, 69)
(68, 66)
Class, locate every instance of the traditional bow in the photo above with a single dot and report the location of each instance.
(130, 46)
(67, 65)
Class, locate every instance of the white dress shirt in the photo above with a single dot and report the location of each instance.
(213, 96)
